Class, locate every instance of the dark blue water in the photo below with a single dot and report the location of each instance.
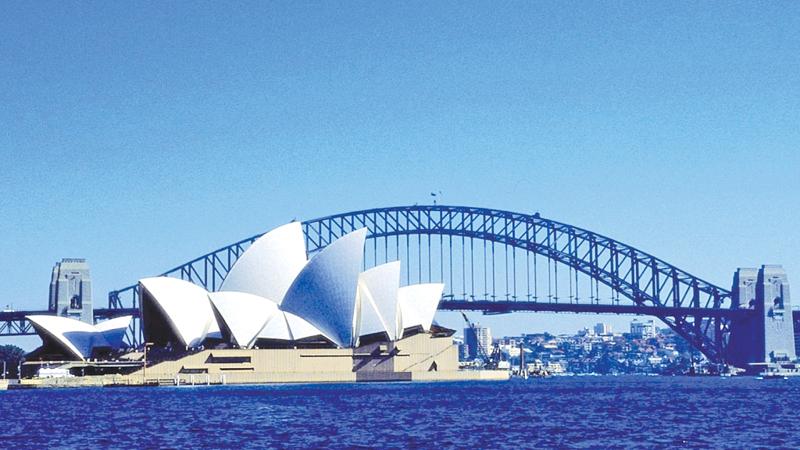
(578, 412)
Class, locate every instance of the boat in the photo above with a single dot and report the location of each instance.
(777, 371)
(772, 376)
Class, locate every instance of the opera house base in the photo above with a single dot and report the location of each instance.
(421, 357)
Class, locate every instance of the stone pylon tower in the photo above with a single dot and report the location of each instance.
(772, 291)
(767, 336)
(71, 290)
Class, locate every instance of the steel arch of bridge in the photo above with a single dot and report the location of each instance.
(695, 309)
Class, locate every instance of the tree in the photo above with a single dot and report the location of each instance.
(12, 355)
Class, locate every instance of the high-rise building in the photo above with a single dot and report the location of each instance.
(602, 329)
(71, 290)
(643, 329)
(478, 339)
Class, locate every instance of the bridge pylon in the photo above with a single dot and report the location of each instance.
(768, 335)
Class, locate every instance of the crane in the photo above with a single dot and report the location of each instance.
(490, 361)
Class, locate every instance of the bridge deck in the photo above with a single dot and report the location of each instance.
(500, 307)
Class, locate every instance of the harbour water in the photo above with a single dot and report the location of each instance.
(560, 412)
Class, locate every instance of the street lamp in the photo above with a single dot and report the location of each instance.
(4, 369)
(144, 368)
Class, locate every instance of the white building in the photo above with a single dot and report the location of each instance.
(478, 340)
(274, 296)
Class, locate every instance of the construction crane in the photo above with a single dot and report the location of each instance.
(489, 361)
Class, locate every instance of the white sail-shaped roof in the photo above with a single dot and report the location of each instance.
(269, 266)
(285, 326)
(184, 306)
(113, 330)
(276, 328)
(324, 293)
(73, 336)
(377, 300)
(418, 304)
(301, 328)
(213, 329)
(242, 315)
(78, 338)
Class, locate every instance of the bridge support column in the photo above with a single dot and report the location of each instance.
(767, 335)
(71, 290)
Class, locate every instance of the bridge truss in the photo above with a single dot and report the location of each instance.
(499, 261)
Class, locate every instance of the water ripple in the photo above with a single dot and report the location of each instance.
(581, 413)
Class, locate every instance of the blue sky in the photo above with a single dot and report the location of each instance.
(142, 135)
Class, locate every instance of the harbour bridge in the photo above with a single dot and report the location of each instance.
(495, 262)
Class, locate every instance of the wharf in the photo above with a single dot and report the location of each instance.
(182, 379)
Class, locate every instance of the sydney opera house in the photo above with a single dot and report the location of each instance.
(277, 317)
